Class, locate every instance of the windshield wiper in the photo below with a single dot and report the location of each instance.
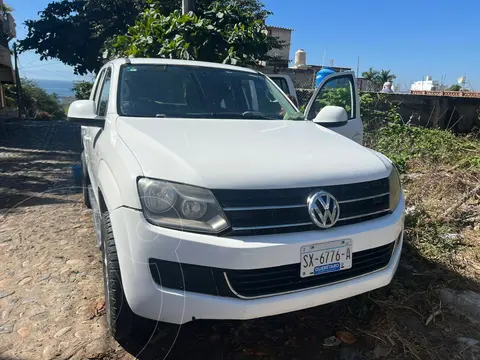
(231, 115)
(256, 115)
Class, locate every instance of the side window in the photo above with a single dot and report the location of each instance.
(337, 91)
(282, 84)
(104, 94)
(98, 84)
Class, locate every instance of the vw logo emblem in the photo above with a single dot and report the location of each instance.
(323, 209)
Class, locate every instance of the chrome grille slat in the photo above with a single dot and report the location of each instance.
(254, 208)
(362, 215)
(274, 211)
(363, 198)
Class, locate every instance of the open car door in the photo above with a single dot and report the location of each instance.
(335, 104)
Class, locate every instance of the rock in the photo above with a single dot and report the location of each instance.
(381, 350)
(23, 332)
(74, 262)
(63, 331)
(466, 303)
(28, 300)
(63, 242)
(5, 283)
(82, 334)
(48, 352)
(40, 316)
(410, 210)
(331, 341)
(66, 307)
(83, 310)
(467, 341)
(6, 293)
(25, 281)
(95, 349)
(26, 263)
(6, 329)
(6, 313)
(44, 277)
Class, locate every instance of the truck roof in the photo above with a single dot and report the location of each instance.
(121, 61)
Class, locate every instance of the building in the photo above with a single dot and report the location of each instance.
(428, 85)
(281, 57)
(7, 33)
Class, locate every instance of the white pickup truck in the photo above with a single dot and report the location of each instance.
(215, 198)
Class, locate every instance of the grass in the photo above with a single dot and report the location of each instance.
(441, 245)
(409, 145)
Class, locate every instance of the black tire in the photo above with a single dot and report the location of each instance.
(85, 183)
(119, 315)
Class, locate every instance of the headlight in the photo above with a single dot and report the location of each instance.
(182, 207)
(395, 188)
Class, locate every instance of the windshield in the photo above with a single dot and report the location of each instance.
(200, 92)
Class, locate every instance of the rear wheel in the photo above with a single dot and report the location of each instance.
(85, 183)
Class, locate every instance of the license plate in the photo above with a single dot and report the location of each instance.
(322, 258)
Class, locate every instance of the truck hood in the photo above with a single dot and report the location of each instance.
(247, 154)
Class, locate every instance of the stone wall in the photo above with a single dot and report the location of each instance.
(444, 112)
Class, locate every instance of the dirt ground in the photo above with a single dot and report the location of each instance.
(51, 287)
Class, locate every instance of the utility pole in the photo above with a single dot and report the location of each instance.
(187, 6)
(17, 81)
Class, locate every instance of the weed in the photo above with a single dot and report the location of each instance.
(404, 144)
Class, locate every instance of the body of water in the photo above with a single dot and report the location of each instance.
(62, 88)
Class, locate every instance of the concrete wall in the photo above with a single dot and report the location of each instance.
(444, 112)
(284, 35)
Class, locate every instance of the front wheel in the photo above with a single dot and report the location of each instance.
(119, 315)
(122, 322)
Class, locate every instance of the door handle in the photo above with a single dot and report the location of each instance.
(87, 138)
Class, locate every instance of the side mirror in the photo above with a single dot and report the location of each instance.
(331, 116)
(82, 112)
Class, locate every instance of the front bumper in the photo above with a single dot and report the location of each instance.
(138, 242)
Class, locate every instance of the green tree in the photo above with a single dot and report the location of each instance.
(338, 96)
(378, 78)
(370, 75)
(229, 32)
(455, 87)
(385, 76)
(6, 8)
(35, 99)
(75, 31)
(82, 89)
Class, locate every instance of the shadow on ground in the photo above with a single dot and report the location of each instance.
(35, 163)
(394, 317)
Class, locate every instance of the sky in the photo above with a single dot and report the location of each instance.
(412, 38)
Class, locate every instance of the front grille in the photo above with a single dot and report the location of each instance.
(286, 278)
(261, 212)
